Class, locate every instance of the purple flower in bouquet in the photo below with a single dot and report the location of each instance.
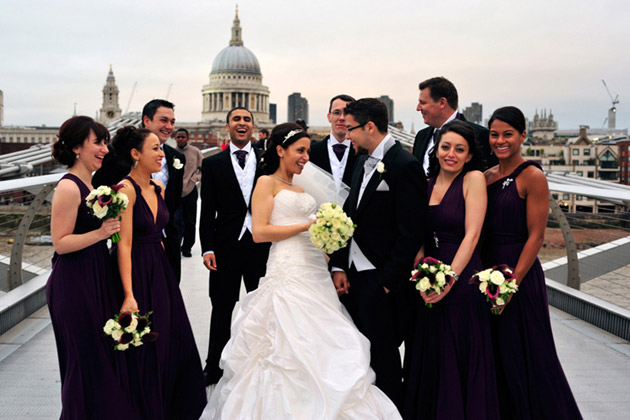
(130, 328)
(497, 284)
(107, 202)
(432, 276)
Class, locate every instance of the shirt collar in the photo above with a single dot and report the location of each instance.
(332, 140)
(451, 118)
(383, 147)
(247, 148)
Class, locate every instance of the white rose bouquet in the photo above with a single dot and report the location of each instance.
(107, 202)
(130, 328)
(432, 276)
(497, 284)
(333, 228)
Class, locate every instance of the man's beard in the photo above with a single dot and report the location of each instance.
(362, 150)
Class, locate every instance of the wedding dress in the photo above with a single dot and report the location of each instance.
(294, 352)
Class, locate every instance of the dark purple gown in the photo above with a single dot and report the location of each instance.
(165, 376)
(82, 294)
(530, 379)
(452, 365)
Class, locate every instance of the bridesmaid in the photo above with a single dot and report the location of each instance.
(165, 376)
(452, 366)
(530, 379)
(80, 291)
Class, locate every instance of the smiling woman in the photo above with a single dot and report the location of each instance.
(80, 292)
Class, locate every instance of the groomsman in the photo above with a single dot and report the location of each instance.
(225, 230)
(438, 105)
(387, 201)
(334, 153)
(158, 116)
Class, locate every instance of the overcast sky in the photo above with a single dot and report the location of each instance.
(533, 54)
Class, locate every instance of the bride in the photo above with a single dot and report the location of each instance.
(294, 353)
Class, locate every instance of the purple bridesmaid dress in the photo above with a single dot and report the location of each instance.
(452, 374)
(165, 376)
(530, 379)
(82, 293)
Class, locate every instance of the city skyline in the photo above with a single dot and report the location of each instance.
(535, 55)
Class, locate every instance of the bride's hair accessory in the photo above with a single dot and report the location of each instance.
(291, 134)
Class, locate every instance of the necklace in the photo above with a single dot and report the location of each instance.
(280, 179)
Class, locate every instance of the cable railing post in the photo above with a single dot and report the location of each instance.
(15, 266)
(573, 268)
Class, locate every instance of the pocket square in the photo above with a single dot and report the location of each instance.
(382, 186)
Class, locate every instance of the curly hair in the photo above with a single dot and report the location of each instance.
(278, 137)
(74, 132)
(476, 163)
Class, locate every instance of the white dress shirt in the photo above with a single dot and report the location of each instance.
(162, 176)
(425, 162)
(337, 166)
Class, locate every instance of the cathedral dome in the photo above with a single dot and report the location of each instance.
(236, 59)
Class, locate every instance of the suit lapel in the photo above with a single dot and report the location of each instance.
(388, 160)
(321, 150)
(355, 188)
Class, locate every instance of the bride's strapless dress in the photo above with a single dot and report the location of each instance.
(294, 352)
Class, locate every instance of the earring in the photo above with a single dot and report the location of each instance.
(135, 164)
(77, 156)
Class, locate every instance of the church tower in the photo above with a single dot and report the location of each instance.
(110, 109)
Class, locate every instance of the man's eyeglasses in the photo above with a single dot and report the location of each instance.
(356, 126)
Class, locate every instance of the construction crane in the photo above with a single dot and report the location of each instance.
(133, 89)
(613, 110)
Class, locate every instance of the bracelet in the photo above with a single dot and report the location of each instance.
(455, 276)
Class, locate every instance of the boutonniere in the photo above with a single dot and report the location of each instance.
(177, 164)
(380, 168)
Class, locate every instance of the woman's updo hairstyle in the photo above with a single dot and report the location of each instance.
(510, 115)
(128, 138)
(74, 132)
(283, 135)
(476, 163)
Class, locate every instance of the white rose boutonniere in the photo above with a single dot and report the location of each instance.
(380, 168)
(177, 164)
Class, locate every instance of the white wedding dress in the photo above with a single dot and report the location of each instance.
(294, 353)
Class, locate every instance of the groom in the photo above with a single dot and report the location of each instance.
(225, 230)
(387, 202)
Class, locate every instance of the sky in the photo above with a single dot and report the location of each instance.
(532, 54)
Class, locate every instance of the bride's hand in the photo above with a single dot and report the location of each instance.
(311, 219)
(129, 305)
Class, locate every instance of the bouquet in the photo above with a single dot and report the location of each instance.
(333, 228)
(130, 328)
(497, 284)
(432, 276)
(107, 202)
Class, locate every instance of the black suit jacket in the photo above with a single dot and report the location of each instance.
(319, 156)
(173, 193)
(482, 134)
(223, 208)
(390, 224)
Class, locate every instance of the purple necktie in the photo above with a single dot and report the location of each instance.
(241, 155)
(339, 150)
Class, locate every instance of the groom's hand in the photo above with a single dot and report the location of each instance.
(210, 261)
(340, 280)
